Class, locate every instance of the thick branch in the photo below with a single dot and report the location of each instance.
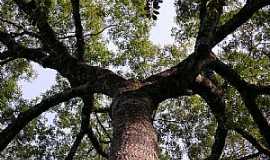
(16, 50)
(219, 143)
(210, 11)
(176, 81)
(171, 83)
(78, 73)
(234, 79)
(248, 93)
(88, 103)
(78, 29)
(86, 129)
(25, 117)
(85, 118)
(262, 89)
(212, 95)
(258, 117)
(238, 19)
(214, 98)
(101, 110)
(60, 60)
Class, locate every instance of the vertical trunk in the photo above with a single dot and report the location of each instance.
(134, 137)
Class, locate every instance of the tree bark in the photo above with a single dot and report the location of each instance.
(134, 137)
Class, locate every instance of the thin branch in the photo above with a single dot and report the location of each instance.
(167, 121)
(86, 110)
(85, 118)
(252, 140)
(88, 34)
(254, 155)
(219, 143)
(95, 143)
(75, 146)
(88, 103)
(6, 61)
(101, 31)
(12, 23)
(24, 32)
(103, 128)
(101, 110)
(78, 29)
(32, 34)
(25, 117)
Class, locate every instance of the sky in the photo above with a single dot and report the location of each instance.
(161, 32)
(159, 35)
(45, 79)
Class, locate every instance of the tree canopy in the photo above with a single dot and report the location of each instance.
(118, 96)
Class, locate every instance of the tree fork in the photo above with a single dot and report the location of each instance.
(134, 137)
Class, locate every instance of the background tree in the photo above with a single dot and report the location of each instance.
(118, 96)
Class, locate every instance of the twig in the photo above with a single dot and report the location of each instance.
(87, 34)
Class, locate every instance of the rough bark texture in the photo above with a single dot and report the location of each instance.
(134, 137)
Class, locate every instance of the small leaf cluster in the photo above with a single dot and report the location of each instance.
(152, 7)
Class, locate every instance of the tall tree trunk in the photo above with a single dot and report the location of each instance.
(134, 137)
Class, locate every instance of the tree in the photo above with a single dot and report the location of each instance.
(221, 100)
